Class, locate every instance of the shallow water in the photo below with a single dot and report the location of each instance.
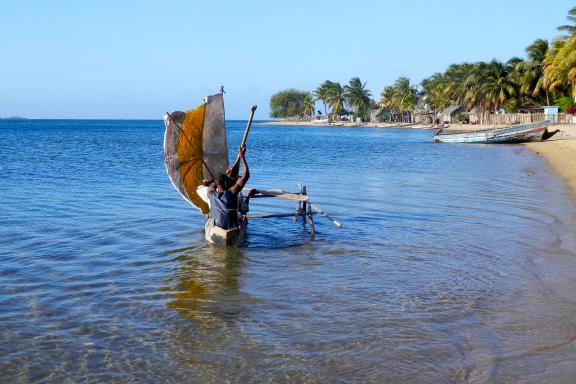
(456, 263)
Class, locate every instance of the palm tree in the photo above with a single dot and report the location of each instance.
(456, 77)
(515, 78)
(405, 94)
(387, 97)
(357, 96)
(402, 96)
(571, 29)
(434, 90)
(308, 105)
(531, 79)
(322, 93)
(559, 66)
(496, 88)
(335, 98)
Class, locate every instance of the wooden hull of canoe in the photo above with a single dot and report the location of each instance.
(508, 135)
(217, 235)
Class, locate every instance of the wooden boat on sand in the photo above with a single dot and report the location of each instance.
(506, 135)
(195, 150)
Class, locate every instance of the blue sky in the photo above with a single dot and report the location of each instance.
(139, 59)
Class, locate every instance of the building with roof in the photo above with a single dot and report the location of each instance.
(448, 114)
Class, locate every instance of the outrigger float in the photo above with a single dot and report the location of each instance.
(196, 149)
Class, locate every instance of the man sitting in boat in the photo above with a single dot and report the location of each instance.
(223, 194)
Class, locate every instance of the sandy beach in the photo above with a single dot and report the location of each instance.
(559, 151)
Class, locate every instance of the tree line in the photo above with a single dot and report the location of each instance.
(547, 75)
(342, 100)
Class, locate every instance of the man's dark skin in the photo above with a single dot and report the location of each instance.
(232, 173)
(223, 195)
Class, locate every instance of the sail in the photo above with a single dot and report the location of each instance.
(195, 147)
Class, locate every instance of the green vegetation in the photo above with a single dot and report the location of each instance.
(291, 103)
(548, 73)
(358, 98)
(563, 103)
(486, 86)
(401, 96)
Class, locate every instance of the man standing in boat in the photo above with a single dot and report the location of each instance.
(224, 193)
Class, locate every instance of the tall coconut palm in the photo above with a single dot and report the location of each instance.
(335, 98)
(405, 94)
(322, 93)
(434, 89)
(357, 96)
(497, 88)
(474, 76)
(308, 105)
(387, 97)
(531, 81)
(571, 29)
(559, 67)
(515, 78)
(458, 78)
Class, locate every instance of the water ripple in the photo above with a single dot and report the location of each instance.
(455, 263)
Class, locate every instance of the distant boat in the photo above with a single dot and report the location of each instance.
(506, 135)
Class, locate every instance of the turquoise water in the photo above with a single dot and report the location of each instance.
(456, 263)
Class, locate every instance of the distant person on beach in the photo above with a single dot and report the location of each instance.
(223, 193)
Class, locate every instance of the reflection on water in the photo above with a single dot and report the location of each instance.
(208, 275)
(450, 267)
(204, 290)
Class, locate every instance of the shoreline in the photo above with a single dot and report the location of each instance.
(559, 151)
(347, 124)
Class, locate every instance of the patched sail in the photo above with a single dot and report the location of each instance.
(195, 147)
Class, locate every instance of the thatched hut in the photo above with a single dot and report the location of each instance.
(447, 115)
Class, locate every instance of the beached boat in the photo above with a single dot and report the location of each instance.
(506, 135)
(196, 150)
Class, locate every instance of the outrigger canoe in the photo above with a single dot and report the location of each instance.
(507, 135)
(195, 149)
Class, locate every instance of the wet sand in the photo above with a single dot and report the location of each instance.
(560, 151)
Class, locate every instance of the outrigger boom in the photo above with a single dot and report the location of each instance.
(305, 208)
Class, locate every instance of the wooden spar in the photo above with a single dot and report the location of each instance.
(272, 215)
(304, 208)
(311, 221)
(321, 212)
(297, 212)
(303, 192)
(257, 193)
(248, 125)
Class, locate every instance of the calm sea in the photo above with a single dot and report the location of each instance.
(456, 263)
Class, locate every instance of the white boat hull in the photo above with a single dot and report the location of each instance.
(515, 134)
